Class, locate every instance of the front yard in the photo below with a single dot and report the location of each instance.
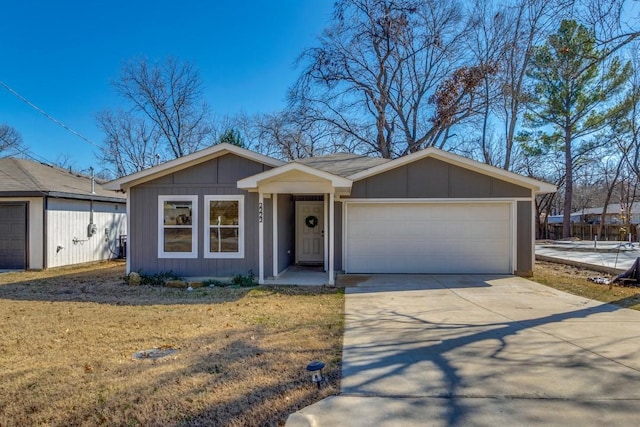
(68, 337)
(67, 340)
(576, 281)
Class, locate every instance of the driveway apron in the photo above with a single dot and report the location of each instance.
(481, 350)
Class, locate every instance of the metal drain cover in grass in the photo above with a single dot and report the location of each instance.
(154, 353)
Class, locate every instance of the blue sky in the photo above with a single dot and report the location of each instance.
(62, 55)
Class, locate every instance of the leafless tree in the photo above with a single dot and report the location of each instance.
(610, 20)
(390, 75)
(11, 142)
(500, 39)
(488, 41)
(528, 22)
(131, 143)
(285, 135)
(545, 166)
(168, 117)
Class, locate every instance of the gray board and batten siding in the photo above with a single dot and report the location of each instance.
(430, 178)
(286, 231)
(423, 179)
(218, 176)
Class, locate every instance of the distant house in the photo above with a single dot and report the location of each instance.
(225, 210)
(50, 217)
(615, 216)
(557, 219)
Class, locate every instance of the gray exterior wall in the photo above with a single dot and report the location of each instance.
(214, 177)
(434, 179)
(524, 260)
(286, 231)
(431, 178)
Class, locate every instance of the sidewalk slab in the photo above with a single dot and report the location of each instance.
(356, 411)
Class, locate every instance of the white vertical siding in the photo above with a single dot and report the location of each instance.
(67, 227)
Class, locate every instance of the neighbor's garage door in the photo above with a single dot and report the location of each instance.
(13, 236)
(428, 238)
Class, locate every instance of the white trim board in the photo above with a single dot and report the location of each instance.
(194, 226)
(207, 227)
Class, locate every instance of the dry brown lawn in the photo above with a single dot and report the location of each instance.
(67, 337)
(574, 280)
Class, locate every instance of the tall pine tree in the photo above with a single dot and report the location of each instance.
(578, 90)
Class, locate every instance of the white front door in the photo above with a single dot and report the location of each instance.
(310, 232)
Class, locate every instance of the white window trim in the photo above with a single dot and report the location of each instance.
(194, 227)
(207, 227)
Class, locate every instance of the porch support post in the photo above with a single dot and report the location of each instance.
(325, 233)
(260, 238)
(331, 238)
(128, 253)
(274, 203)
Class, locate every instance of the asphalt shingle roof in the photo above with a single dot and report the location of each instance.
(342, 164)
(26, 177)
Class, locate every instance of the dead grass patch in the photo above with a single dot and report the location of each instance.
(574, 280)
(67, 339)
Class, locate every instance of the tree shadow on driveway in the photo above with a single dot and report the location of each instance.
(473, 342)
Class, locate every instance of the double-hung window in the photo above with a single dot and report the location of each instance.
(177, 223)
(224, 227)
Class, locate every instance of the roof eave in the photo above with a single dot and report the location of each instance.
(126, 182)
(538, 187)
(545, 189)
(95, 197)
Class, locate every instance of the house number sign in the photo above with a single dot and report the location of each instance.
(259, 212)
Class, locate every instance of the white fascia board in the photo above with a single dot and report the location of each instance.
(186, 161)
(538, 187)
(252, 182)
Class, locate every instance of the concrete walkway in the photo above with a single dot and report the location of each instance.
(481, 350)
(614, 256)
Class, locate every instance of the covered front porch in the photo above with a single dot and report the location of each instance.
(300, 275)
(307, 238)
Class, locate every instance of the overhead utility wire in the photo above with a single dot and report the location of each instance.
(44, 113)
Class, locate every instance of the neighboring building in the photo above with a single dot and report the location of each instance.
(587, 223)
(615, 215)
(226, 210)
(557, 219)
(50, 217)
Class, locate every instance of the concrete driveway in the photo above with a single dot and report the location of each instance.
(481, 350)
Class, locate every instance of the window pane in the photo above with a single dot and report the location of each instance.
(177, 240)
(177, 213)
(224, 240)
(223, 212)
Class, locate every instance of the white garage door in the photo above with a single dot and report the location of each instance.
(428, 238)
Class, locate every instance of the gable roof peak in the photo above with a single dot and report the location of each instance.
(189, 160)
(460, 161)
